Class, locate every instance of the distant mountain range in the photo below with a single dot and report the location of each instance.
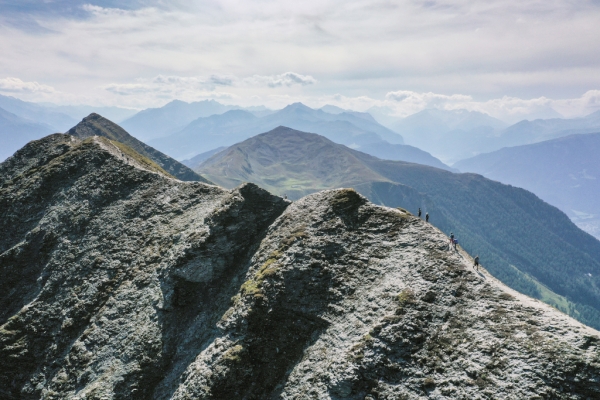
(204, 134)
(565, 172)
(525, 242)
(153, 123)
(453, 135)
(15, 132)
(22, 121)
(96, 125)
(36, 113)
(116, 114)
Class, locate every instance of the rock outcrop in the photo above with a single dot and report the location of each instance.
(119, 282)
(96, 125)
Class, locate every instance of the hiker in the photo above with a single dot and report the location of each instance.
(455, 242)
(476, 265)
(451, 239)
(419, 212)
(426, 217)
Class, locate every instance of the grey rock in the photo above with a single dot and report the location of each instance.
(120, 282)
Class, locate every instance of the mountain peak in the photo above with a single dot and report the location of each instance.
(298, 106)
(96, 125)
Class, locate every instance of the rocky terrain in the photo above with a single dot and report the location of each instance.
(96, 125)
(120, 282)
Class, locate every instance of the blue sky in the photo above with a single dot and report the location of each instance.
(505, 58)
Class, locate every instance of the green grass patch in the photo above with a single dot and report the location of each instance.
(144, 161)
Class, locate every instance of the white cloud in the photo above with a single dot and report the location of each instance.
(495, 51)
(16, 85)
(286, 79)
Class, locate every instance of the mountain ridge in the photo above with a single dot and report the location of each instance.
(526, 243)
(564, 172)
(195, 291)
(206, 133)
(96, 125)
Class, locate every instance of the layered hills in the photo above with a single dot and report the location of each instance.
(15, 132)
(453, 135)
(205, 134)
(565, 172)
(37, 113)
(153, 123)
(527, 243)
(96, 125)
(120, 282)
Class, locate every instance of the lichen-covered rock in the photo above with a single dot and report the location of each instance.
(119, 282)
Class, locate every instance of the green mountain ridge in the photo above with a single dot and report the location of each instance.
(516, 234)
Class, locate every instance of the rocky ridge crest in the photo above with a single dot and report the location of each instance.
(120, 282)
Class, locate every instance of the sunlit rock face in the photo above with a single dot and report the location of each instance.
(119, 282)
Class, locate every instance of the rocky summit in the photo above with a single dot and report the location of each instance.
(120, 282)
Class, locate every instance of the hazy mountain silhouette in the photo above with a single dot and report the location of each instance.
(204, 134)
(15, 132)
(522, 239)
(449, 135)
(96, 125)
(37, 113)
(459, 134)
(153, 123)
(403, 152)
(78, 112)
(196, 161)
(565, 172)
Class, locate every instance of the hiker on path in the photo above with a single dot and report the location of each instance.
(455, 242)
(451, 240)
(476, 265)
(426, 217)
(419, 212)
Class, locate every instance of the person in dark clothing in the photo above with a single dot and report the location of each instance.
(419, 212)
(455, 242)
(426, 217)
(476, 265)
(451, 239)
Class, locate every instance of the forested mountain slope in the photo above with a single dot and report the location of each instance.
(565, 172)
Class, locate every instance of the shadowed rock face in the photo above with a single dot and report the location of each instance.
(119, 282)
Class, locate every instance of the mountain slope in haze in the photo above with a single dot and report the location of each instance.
(403, 152)
(37, 113)
(522, 240)
(204, 134)
(15, 132)
(455, 135)
(96, 125)
(153, 123)
(565, 172)
(528, 132)
(449, 135)
(78, 112)
(121, 283)
(197, 160)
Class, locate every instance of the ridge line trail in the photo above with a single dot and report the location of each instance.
(488, 278)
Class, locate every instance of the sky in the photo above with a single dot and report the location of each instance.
(510, 59)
